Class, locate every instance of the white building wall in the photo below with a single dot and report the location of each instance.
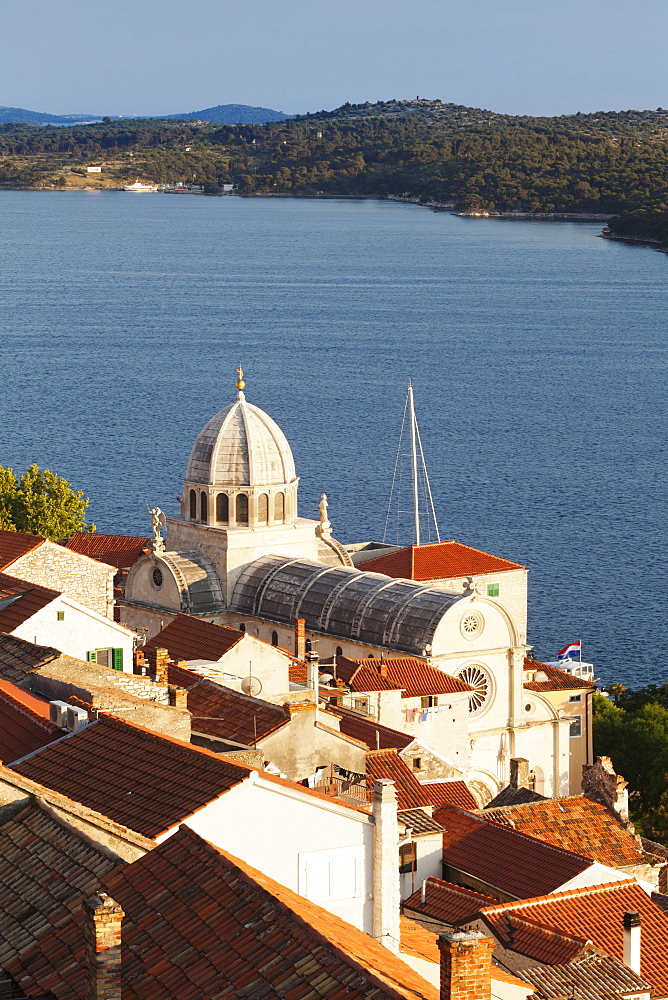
(80, 631)
(274, 828)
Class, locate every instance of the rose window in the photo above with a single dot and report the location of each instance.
(472, 624)
(480, 682)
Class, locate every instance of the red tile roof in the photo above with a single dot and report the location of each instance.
(438, 561)
(114, 550)
(512, 862)
(553, 679)
(202, 924)
(372, 734)
(219, 712)
(446, 902)
(573, 823)
(191, 638)
(450, 793)
(593, 913)
(19, 657)
(14, 544)
(136, 777)
(412, 676)
(24, 723)
(388, 764)
(23, 600)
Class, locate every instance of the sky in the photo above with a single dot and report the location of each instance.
(132, 57)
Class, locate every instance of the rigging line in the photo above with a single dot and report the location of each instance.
(426, 478)
(396, 463)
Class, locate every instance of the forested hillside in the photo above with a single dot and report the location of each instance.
(448, 154)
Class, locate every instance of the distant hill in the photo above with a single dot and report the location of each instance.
(16, 116)
(232, 114)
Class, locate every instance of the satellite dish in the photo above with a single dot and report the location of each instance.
(251, 685)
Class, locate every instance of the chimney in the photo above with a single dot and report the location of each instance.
(601, 783)
(519, 772)
(139, 662)
(178, 697)
(386, 887)
(102, 932)
(300, 638)
(466, 965)
(158, 661)
(631, 922)
(663, 880)
(312, 670)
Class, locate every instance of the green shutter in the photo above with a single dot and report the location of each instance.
(118, 659)
(92, 656)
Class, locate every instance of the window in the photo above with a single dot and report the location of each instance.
(193, 505)
(430, 701)
(279, 507)
(203, 507)
(60, 616)
(574, 697)
(242, 627)
(263, 508)
(242, 509)
(107, 658)
(222, 508)
(329, 875)
(492, 590)
(408, 858)
(576, 726)
(339, 651)
(361, 705)
(157, 577)
(274, 638)
(417, 763)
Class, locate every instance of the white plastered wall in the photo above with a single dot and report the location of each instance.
(80, 631)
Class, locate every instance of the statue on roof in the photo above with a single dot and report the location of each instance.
(158, 521)
(325, 527)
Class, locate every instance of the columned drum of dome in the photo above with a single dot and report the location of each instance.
(365, 607)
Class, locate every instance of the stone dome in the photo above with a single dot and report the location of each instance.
(241, 446)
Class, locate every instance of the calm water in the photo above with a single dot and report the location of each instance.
(538, 353)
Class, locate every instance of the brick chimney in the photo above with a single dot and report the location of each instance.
(178, 696)
(102, 930)
(158, 662)
(631, 921)
(386, 886)
(300, 638)
(663, 880)
(466, 965)
(519, 773)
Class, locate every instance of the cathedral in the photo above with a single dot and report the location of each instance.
(239, 554)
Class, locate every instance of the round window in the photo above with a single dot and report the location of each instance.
(472, 624)
(157, 577)
(481, 684)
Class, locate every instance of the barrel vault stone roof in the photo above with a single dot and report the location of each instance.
(343, 601)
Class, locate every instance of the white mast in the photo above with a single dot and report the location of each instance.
(414, 464)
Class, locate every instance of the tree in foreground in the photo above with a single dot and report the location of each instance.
(41, 503)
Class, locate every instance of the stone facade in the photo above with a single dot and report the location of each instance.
(427, 765)
(88, 581)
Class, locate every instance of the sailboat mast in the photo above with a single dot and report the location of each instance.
(414, 465)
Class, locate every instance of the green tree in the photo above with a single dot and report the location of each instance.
(41, 503)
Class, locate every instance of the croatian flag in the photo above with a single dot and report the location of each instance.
(568, 652)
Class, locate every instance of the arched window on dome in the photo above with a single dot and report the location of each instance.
(203, 507)
(193, 505)
(339, 651)
(242, 509)
(263, 508)
(274, 638)
(279, 507)
(222, 508)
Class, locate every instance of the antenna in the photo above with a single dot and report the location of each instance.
(422, 502)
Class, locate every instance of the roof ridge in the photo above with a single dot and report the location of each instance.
(440, 883)
(25, 709)
(564, 894)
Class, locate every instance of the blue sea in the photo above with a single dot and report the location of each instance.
(538, 354)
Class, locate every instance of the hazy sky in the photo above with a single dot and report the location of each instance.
(162, 56)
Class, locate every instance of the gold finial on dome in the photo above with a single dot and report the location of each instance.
(240, 381)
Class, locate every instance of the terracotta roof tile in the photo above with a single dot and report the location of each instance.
(18, 657)
(191, 638)
(372, 734)
(438, 561)
(593, 913)
(446, 902)
(24, 723)
(450, 793)
(549, 678)
(20, 600)
(202, 924)
(388, 764)
(225, 714)
(572, 823)
(510, 796)
(45, 869)
(505, 859)
(14, 544)
(406, 673)
(419, 822)
(592, 977)
(120, 551)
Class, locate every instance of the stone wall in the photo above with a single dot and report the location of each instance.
(87, 581)
(431, 768)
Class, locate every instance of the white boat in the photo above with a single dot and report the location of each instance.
(138, 186)
(179, 188)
